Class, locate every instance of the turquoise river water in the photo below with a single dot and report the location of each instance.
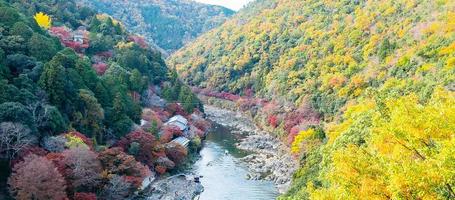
(224, 176)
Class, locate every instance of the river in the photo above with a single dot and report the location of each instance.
(224, 175)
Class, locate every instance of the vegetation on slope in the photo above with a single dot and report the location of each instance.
(381, 74)
(168, 24)
(73, 87)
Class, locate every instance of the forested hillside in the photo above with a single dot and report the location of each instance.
(169, 24)
(74, 85)
(362, 90)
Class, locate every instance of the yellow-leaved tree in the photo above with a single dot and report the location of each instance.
(43, 20)
(305, 141)
(409, 154)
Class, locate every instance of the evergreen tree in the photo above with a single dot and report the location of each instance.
(41, 47)
(136, 82)
(53, 81)
(22, 29)
(92, 115)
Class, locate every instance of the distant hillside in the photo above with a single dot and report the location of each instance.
(326, 52)
(169, 24)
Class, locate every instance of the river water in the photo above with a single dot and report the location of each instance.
(224, 175)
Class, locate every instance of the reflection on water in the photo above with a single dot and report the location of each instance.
(224, 177)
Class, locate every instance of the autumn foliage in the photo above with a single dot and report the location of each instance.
(84, 196)
(37, 178)
(175, 109)
(169, 132)
(43, 20)
(176, 152)
(273, 121)
(31, 150)
(81, 136)
(147, 144)
(100, 68)
(117, 162)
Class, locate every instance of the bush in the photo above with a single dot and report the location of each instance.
(115, 161)
(84, 196)
(169, 132)
(14, 137)
(146, 144)
(117, 189)
(87, 141)
(134, 148)
(176, 152)
(54, 144)
(273, 121)
(74, 142)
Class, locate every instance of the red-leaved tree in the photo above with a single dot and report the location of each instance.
(175, 109)
(147, 144)
(100, 68)
(83, 169)
(176, 152)
(273, 121)
(37, 178)
(117, 162)
(84, 196)
(35, 150)
(170, 132)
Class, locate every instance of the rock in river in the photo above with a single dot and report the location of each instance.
(178, 187)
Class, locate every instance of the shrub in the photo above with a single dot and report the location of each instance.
(115, 161)
(134, 148)
(117, 189)
(30, 150)
(273, 121)
(175, 109)
(84, 196)
(14, 137)
(200, 123)
(164, 163)
(176, 152)
(54, 143)
(100, 68)
(169, 132)
(160, 169)
(84, 138)
(146, 143)
(74, 142)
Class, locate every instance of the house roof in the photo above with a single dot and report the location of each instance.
(182, 141)
(178, 121)
(178, 118)
(178, 124)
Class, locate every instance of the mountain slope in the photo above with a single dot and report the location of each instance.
(320, 50)
(74, 85)
(168, 24)
(380, 73)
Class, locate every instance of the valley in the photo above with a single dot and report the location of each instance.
(180, 100)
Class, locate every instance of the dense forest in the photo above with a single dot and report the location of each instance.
(75, 88)
(169, 24)
(363, 91)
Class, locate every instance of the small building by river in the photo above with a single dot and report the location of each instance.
(182, 141)
(179, 121)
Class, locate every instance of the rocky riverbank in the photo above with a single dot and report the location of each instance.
(270, 158)
(182, 187)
